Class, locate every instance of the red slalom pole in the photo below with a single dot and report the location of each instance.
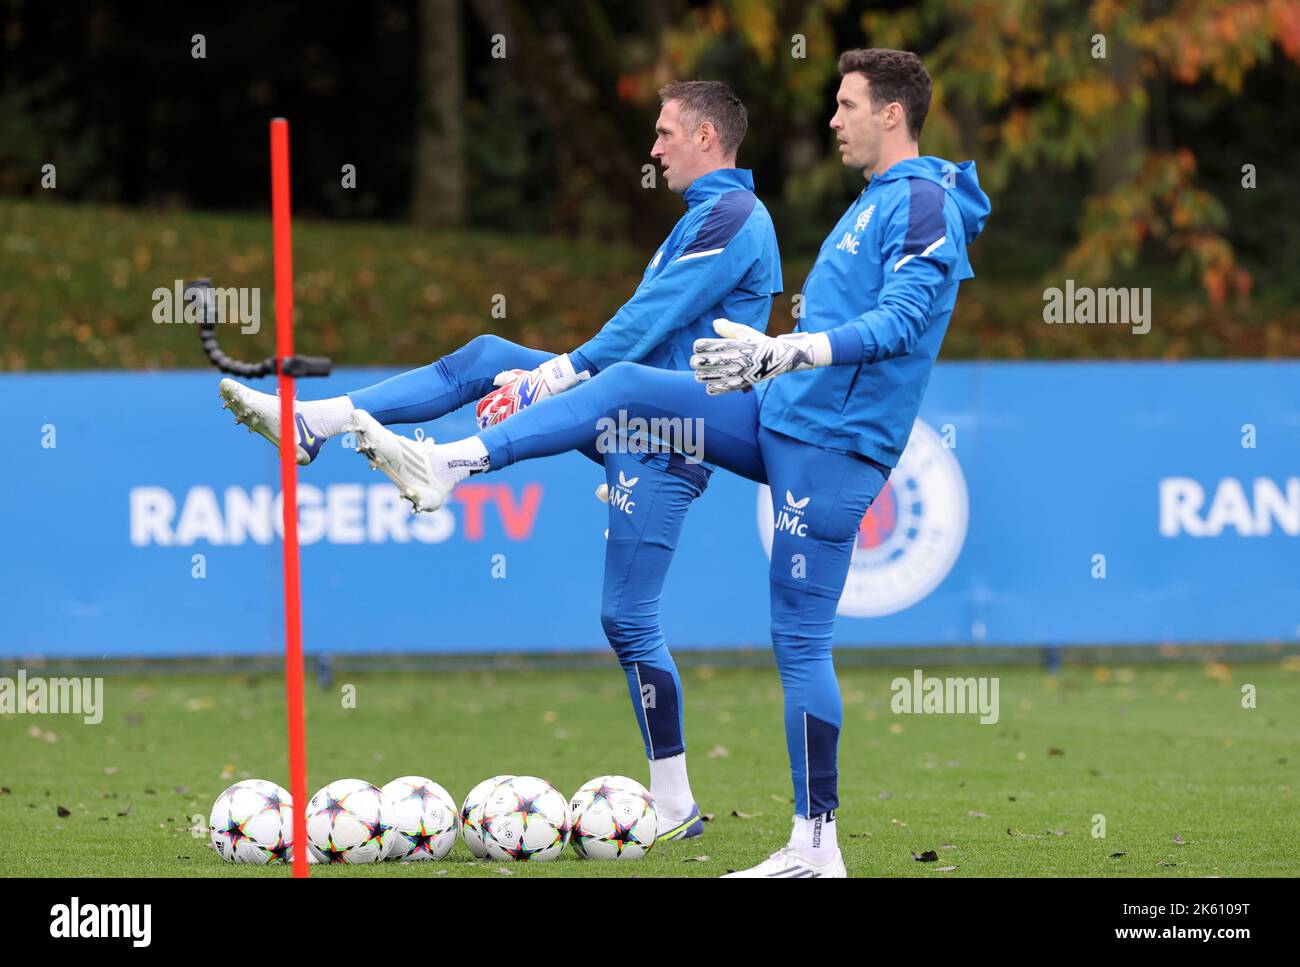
(289, 487)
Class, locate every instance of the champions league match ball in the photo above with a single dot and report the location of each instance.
(347, 822)
(525, 819)
(471, 815)
(614, 818)
(424, 819)
(252, 822)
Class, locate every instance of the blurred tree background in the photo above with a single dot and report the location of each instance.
(499, 148)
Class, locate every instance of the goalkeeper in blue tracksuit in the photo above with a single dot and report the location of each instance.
(721, 259)
(824, 436)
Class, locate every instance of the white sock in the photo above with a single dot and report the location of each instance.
(464, 457)
(814, 839)
(328, 417)
(671, 788)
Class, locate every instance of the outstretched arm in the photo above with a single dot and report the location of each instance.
(915, 267)
(700, 276)
(710, 266)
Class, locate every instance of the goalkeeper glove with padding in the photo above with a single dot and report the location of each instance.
(518, 389)
(745, 356)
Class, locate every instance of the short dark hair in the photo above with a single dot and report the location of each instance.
(710, 101)
(894, 75)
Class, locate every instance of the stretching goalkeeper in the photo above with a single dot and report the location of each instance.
(721, 258)
(824, 436)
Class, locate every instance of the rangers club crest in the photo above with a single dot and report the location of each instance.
(910, 538)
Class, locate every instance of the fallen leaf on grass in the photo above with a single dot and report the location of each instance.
(944, 869)
(739, 815)
(707, 817)
(929, 856)
(696, 859)
(1179, 840)
(1015, 832)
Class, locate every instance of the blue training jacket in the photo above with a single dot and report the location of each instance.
(887, 278)
(720, 260)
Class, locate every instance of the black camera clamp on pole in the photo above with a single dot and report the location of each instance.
(201, 290)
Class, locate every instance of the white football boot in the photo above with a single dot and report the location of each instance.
(787, 864)
(260, 412)
(414, 465)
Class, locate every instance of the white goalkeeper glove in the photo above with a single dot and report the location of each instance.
(744, 356)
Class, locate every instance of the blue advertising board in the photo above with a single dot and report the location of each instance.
(1037, 503)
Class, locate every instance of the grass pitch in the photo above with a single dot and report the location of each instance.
(1189, 782)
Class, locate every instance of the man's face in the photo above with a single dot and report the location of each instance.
(858, 130)
(678, 151)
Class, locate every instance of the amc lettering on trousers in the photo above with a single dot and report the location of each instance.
(102, 921)
(945, 696)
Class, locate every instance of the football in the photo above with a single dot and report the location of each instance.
(252, 822)
(471, 815)
(614, 818)
(423, 816)
(347, 822)
(525, 819)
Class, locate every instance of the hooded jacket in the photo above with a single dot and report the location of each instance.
(721, 259)
(882, 288)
